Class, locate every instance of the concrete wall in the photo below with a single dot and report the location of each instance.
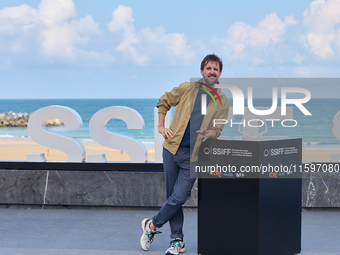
(127, 188)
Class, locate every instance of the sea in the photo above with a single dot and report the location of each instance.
(316, 130)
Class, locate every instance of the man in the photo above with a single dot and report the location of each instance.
(181, 146)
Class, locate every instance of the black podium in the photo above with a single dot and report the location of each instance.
(250, 213)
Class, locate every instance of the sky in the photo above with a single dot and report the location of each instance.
(140, 49)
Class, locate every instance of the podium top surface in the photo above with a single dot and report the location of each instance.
(257, 139)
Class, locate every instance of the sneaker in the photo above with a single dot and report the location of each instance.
(176, 246)
(148, 234)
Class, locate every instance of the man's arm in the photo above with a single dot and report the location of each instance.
(165, 132)
(164, 104)
(171, 98)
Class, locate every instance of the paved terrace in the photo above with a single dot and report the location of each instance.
(117, 231)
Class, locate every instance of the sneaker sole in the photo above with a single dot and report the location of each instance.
(180, 251)
(143, 228)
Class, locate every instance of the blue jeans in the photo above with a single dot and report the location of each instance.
(178, 190)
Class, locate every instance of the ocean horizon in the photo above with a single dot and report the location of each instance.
(316, 130)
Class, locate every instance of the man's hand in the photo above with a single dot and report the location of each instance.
(165, 132)
(206, 134)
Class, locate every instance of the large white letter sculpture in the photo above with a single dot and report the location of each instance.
(37, 130)
(101, 135)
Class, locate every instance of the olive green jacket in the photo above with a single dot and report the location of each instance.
(183, 97)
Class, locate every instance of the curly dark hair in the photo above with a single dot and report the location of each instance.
(211, 57)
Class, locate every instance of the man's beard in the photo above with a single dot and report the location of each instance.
(210, 82)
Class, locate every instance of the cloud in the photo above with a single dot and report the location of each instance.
(17, 19)
(147, 44)
(121, 19)
(321, 44)
(321, 19)
(52, 31)
(22, 14)
(269, 31)
(56, 12)
(66, 36)
(52, 28)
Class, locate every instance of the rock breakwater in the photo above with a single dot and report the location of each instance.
(20, 119)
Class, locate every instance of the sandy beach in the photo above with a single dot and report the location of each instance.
(17, 149)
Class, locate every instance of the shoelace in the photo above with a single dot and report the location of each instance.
(152, 234)
(174, 243)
